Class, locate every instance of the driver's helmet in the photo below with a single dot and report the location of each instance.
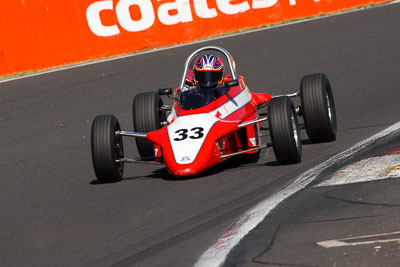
(208, 71)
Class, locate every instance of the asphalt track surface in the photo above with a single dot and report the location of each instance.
(54, 213)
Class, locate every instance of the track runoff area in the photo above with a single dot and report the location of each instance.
(374, 168)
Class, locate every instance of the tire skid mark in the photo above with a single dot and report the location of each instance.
(358, 202)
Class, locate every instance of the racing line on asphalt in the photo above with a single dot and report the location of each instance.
(217, 253)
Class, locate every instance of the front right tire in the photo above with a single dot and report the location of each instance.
(107, 149)
(284, 130)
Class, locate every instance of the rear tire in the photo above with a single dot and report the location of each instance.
(107, 148)
(318, 108)
(284, 130)
(147, 116)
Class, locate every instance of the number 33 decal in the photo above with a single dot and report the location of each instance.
(196, 133)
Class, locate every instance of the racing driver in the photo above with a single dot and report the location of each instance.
(208, 72)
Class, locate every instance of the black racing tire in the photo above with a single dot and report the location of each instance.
(147, 116)
(284, 130)
(107, 148)
(318, 108)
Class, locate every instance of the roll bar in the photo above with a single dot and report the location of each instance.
(228, 57)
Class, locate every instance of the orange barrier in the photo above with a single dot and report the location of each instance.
(37, 34)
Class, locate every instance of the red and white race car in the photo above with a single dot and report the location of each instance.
(203, 130)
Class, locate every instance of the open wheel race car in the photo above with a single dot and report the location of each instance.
(203, 130)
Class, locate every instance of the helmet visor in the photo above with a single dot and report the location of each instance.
(208, 79)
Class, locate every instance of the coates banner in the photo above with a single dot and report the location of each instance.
(37, 34)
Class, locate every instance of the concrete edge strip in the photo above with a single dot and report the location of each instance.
(78, 65)
(362, 240)
(217, 253)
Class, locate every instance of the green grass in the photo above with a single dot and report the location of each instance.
(27, 73)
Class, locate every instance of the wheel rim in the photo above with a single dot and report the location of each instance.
(328, 101)
(296, 134)
(119, 152)
(331, 109)
(162, 117)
